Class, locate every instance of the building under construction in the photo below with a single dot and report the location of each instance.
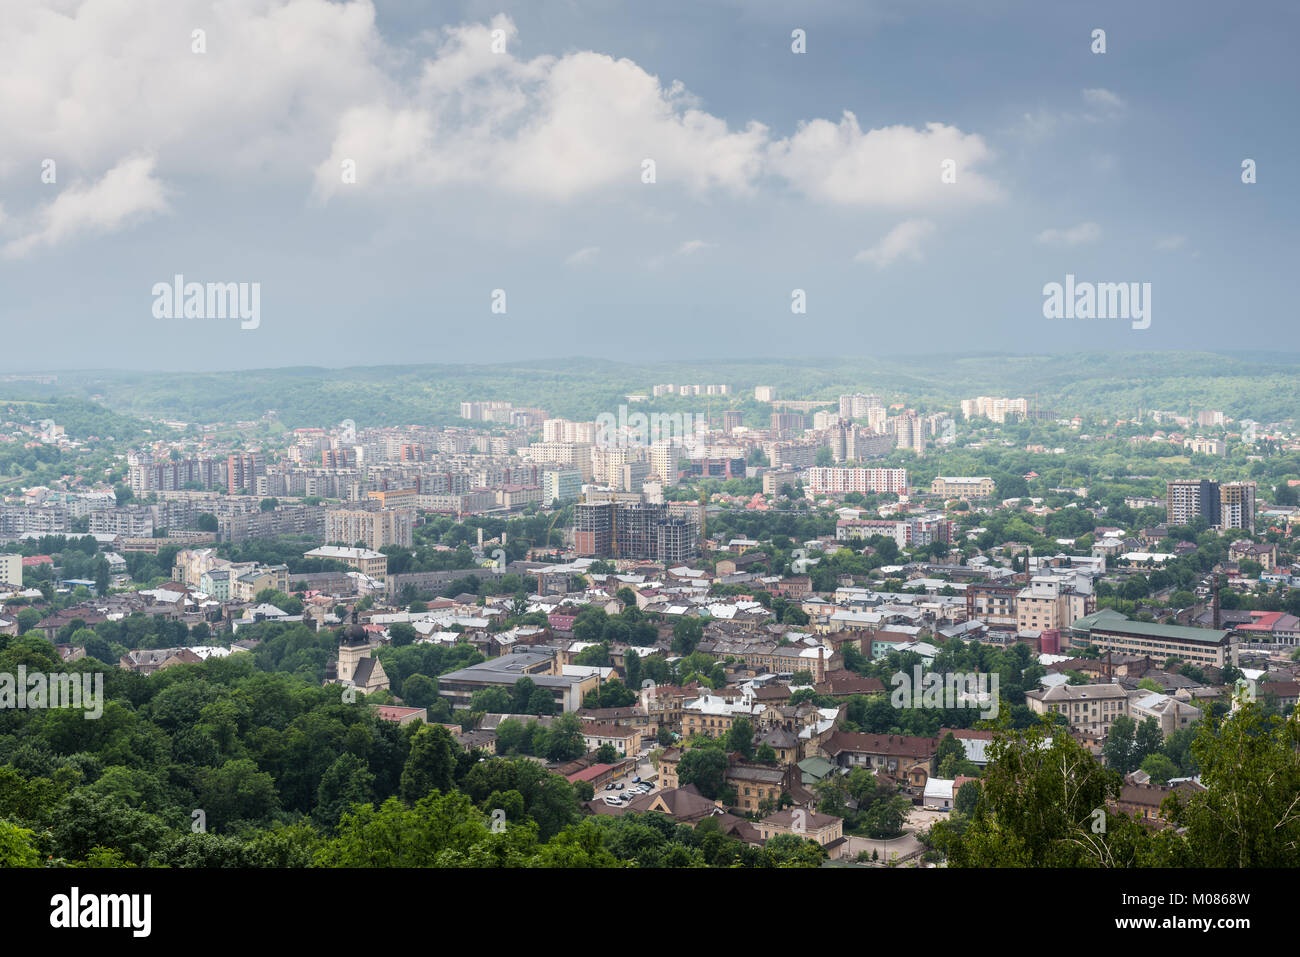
(636, 530)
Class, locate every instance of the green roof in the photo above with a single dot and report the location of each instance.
(815, 768)
(1123, 625)
(1088, 622)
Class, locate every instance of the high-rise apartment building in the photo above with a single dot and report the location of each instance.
(858, 406)
(1187, 498)
(634, 530)
(373, 529)
(563, 485)
(1237, 505)
(910, 431)
(242, 470)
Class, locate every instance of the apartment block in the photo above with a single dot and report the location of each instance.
(373, 529)
(963, 486)
(838, 481)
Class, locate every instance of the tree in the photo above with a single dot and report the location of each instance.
(402, 634)
(1160, 768)
(1149, 739)
(949, 747)
(704, 767)
(541, 702)
(1038, 808)
(523, 694)
(886, 816)
(740, 737)
(236, 791)
(1120, 749)
(17, 847)
(1247, 816)
(968, 796)
(101, 575)
(606, 754)
(347, 782)
(431, 763)
(419, 691)
(564, 739)
(687, 633)
(791, 850)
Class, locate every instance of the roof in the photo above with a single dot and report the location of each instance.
(1079, 692)
(896, 745)
(808, 819)
(1149, 629)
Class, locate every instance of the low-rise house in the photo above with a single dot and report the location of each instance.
(1142, 801)
(826, 829)
(1169, 713)
(938, 795)
(623, 739)
(757, 783)
(895, 756)
(400, 715)
(148, 660)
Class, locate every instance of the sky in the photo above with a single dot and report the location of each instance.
(401, 181)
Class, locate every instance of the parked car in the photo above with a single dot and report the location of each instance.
(609, 786)
(619, 786)
(637, 779)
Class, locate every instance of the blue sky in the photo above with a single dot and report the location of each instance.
(521, 171)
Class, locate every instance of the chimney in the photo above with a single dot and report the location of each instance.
(1214, 602)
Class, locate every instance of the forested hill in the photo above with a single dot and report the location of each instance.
(1262, 387)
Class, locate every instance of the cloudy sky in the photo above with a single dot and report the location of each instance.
(382, 168)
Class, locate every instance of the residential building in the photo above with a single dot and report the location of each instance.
(963, 487)
(1090, 709)
(369, 563)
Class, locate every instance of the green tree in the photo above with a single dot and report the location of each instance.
(704, 767)
(1160, 768)
(347, 782)
(687, 633)
(1247, 816)
(564, 739)
(431, 763)
(740, 737)
(968, 796)
(1120, 749)
(419, 691)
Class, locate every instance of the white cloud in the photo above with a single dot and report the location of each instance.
(692, 246)
(1103, 105)
(893, 166)
(1070, 236)
(903, 241)
(1104, 99)
(582, 256)
(126, 193)
(1169, 243)
(287, 90)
